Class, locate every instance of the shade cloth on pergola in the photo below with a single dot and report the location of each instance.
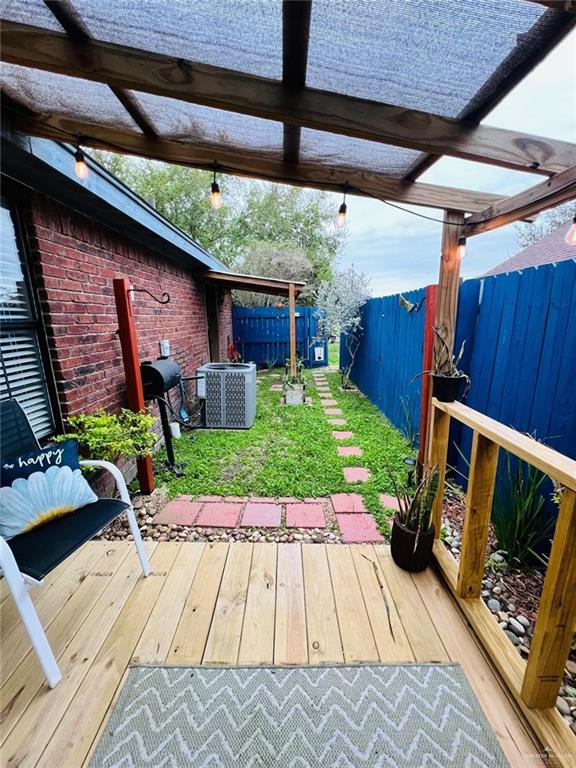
(322, 93)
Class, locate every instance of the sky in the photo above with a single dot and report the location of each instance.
(400, 252)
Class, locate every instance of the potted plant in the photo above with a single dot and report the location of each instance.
(294, 386)
(449, 383)
(413, 531)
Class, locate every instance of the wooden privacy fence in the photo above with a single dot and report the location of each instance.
(262, 335)
(520, 352)
(535, 683)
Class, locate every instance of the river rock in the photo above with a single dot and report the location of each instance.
(516, 627)
(494, 605)
(514, 639)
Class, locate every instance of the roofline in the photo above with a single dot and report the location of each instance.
(256, 283)
(48, 167)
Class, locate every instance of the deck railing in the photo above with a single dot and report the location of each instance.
(535, 684)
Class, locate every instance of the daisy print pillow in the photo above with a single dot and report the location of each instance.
(39, 486)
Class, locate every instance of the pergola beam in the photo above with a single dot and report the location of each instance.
(559, 189)
(80, 37)
(295, 39)
(316, 176)
(130, 68)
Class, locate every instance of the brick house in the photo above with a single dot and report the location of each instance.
(62, 243)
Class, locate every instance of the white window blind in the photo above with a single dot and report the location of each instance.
(21, 368)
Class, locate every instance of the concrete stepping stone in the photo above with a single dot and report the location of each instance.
(219, 515)
(359, 529)
(347, 503)
(329, 402)
(305, 515)
(342, 435)
(333, 411)
(276, 388)
(337, 422)
(356, 474)
(349, 450)
(324, 395)
(390, 502)
(179, 511)
(259, 513)
(209, 498)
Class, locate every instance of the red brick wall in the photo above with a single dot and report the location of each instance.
(225, 325)
(74, 261)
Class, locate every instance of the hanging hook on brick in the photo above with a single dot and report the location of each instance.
(165, 298)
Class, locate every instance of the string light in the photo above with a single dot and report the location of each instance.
(461, 247)
(215, 194)
(571, 234)
(341, 217)
(80, 166)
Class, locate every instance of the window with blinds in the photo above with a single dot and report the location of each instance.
(22, 372)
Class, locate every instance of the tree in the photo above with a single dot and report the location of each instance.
(286, 261)
(547, 222)
(339, 303)
(294, 220)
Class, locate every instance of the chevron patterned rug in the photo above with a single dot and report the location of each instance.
(398, 716)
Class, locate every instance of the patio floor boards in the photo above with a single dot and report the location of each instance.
(223, 604)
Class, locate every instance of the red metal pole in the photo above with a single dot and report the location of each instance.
(429, 320)
(129, 346)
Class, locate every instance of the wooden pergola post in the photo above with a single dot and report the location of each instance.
(292, 312)
(130, 357)
(449, 277)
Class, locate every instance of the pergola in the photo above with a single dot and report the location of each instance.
(327, 94)
(320, 93)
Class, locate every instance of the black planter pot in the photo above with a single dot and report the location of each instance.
(402, 548)
(447, 388)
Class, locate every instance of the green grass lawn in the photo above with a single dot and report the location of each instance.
(290, 451)
(334, 354)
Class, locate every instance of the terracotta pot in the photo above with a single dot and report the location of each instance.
(447, 388)
(402, 545)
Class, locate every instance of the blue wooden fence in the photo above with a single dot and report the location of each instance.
(520, 331)
(389, 358)
(262, 335)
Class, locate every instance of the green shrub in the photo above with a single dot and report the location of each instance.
(520, 523)
(108, 436)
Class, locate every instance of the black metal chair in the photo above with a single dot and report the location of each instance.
(26, 559)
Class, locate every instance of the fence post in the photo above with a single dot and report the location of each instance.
(556, 615)
(437, 455)
(292, 311)
(449, 277)
(429, 320)
(479, 497)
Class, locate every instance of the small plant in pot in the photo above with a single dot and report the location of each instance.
(294, 386)
(413, 531)
(449, 383)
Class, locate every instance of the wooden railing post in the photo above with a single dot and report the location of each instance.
(437, 456)
(556, 615)
(479, 497)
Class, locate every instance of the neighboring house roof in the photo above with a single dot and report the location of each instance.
(549, 249)
(48, 167)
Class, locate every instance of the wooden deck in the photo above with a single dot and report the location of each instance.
(221, 604)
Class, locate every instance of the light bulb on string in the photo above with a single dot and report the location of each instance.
(342, 211)
(461, 247)
(571, 234)
(215, 194)
(80, 167)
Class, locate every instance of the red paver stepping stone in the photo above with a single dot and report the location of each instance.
(238, 499)
(342, 435)
(329, 402)
(349, 450)
(358, 528)
(287, 500)
(391, 502)
(347, 503)
(305, 516)
(209, 498)
(262, 499)
(180, 511)
(356, 474)
(333, 411)
(337, 422)
(219, 515)
(256, 513)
